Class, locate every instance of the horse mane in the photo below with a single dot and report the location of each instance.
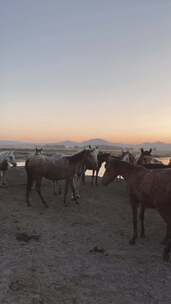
(76, 156)
(127, 165)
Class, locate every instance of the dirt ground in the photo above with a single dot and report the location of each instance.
(78, 254)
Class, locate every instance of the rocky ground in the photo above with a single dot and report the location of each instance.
(78, 254)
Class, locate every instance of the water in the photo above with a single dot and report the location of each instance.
(20, 163)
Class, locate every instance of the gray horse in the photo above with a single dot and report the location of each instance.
(7, 159)
(52, 168)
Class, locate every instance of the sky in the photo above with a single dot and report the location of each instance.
(85, 69)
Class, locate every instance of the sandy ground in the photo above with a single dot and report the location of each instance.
(78, 254)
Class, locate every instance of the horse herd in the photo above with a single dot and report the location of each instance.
(149, 181)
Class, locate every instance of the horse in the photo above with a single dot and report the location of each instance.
(150, 188)
(63, 168)
(7, 158)
(128, 157)
(88, 166)
(146, 158)
(101, 158)
(38, 151)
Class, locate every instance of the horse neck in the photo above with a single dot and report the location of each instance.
(134, 173)
(128, 170)
(78, 158)
(140, 160)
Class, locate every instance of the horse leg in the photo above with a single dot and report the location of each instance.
(73, 187)
(59, 188)
(166, 215)
(76, 182)
(134, 220)
(38, 189)
(92, 178)
(54, 188)
(168, 244)
(83, 177)
(30, 181)
(4, 178)
(141, 217)
(66, 191)
(164, 241)
(97, 172)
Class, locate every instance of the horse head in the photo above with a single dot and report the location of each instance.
(38, 151)
(11, 158)
(91, 156)
(145, 157)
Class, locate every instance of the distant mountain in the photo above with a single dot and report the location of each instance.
(96, 142)
(158, 146)
(11, 143)
(68, 143)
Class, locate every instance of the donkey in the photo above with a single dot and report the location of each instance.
(150, 188)
(7, 158)
(63, 168)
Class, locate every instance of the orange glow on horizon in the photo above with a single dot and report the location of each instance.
(122, 139)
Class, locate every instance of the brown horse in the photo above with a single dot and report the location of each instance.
(149, 188)
(146, 158)
(63, 168)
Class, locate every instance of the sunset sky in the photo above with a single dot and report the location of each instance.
(84, 69)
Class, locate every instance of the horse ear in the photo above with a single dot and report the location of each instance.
(142, 150)
(150, 150)
(89, 146)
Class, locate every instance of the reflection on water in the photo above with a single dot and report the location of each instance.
(165, 160)
(20, 163)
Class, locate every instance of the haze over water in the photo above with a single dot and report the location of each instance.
(83, 69)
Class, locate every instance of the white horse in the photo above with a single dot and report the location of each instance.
(7, 159)
(54, 168)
